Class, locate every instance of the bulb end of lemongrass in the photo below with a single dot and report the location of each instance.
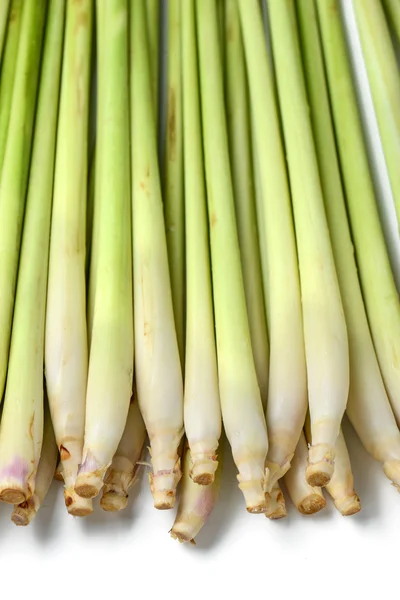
(22, 516)
(163, 486)
(311, 504)
(391, 468)
(77, 506)
(203, 467)
(88, 485)
(181, 533)
(13, 496)
(276, 507)
(321, 465)
(254, 496)
(112, 501)
(348, 505)
(277, 471)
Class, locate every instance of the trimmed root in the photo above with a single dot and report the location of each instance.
(311, 504)
(113, 501)
(77, 506)
(23, 514)
(277, 471)
(348, 505)
(88, 485)
(178, 532)
(391, 468)
(163, 486)
(276, 507)
(12, 496)
(203, 468)
(321, 465)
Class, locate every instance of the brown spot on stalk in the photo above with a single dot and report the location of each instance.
(31, 425)
(64, 453)
(213, 220)
(68, 501)
(172, 123)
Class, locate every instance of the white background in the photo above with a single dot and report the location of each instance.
(237, 554)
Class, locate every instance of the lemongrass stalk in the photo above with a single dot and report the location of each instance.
(123, 471)
(238, 119)
(241, 404)
(276, 506)
(341, 486)
(66, 353)
(92, 245)
(324, 321)
(8, 72)
(202, 412)
(15, 170)
(21, 429)
(384, 81)
(173, 173)
(110, 374)
(158, 369)
(153, 35)
(392, 8)
(25, 512)
(196, 502)
(287, 394)
(4, 17)
(307, 499)
(90, 227)
(378, 287)
(58, 474)
(368, 406)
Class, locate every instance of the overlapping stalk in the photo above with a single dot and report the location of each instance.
(174, 208)
(202, 413)
(24, 513)
(110, 375)
(306, 498)
(392, 8)
(341, 486)
(22, 419)
(158, 369)
(196, 502)
(367, 395)
(66, 352)
(325, 332)
(238, 120)
(241, 403)
(384, 80)
(4, 12)
(153, 23)
(123, 471)
(380, 296)
(8, 63)
(287, 394)
(14, 173)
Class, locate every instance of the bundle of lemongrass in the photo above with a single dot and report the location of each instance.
(227, 287)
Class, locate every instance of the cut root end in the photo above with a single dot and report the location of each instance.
(113, 502)
(203, 468)
(180, 533)
(88, 485)
(164, 499)
(76, 505)
(22, 516)
(311, 504)
(276, 507)
(391, 468)
(12, 496)
(348, 505)
(319, 474)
